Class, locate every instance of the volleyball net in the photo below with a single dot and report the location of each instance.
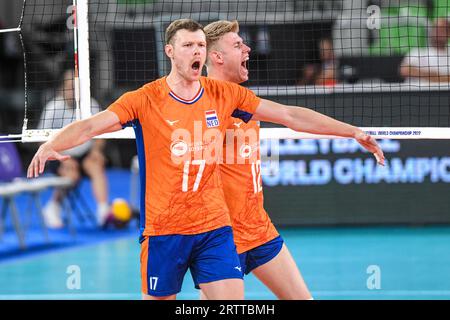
(380, 65)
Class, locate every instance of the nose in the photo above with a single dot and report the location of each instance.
(196, 51)
(247, 48)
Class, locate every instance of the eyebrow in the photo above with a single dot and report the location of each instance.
(193, 41)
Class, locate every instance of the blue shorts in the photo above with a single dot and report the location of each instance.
(260, 255)
(210, 256)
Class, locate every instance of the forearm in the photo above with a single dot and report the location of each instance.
(309, 121)
(70, 136)
(303, 120)
(79, 132)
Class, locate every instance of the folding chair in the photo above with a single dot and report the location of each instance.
(12, 184)
(10, 168)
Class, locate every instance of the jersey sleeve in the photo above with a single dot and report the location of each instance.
(129, 106)
(245, 102)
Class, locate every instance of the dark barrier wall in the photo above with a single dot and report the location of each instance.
(334, 182)
(386, 108)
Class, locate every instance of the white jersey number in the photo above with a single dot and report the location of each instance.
(187, 164)
(256, 173)
(152, 282)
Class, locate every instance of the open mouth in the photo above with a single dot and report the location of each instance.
(196, 65)
(244, 64)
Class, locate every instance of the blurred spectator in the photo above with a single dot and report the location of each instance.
(431, 63)
(323, 73)
(86, 159)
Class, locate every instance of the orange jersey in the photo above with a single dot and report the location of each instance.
(242, 185)
(177, 147)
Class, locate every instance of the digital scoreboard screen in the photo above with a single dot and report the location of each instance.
(336, 182)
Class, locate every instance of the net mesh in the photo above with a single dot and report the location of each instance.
(49, 60)
(372, 63)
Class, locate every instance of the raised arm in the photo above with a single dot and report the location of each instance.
(309, 121)
(71, 136)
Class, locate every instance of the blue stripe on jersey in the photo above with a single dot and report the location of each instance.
(199, 95)
(241, 114)
(141, 157)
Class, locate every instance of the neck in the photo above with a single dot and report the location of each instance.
(218, 74)
(182, 87)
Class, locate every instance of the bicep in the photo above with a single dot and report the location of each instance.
(103, 122)
(272, 112)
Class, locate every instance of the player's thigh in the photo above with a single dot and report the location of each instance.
(215, 266)
(164, 263)
(227, 289)
(282, 276)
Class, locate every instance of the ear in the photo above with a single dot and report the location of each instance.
(168, 48)
(216, 56)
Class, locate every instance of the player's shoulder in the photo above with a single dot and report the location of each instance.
(156, 88)
(216, 85)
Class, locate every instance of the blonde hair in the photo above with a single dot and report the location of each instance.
(216, 30)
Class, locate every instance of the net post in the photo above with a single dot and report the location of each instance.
(83, 58)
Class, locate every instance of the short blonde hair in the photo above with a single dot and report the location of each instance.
(216, 30)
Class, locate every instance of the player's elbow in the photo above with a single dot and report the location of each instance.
(292, 118)
(87, 129)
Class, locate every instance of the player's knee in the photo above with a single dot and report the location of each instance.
(149, 297)
(203, 296)
(227, 289)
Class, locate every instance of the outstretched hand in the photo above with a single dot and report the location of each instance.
(371, 145)
(43, 154)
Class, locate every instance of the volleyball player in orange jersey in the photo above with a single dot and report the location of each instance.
(179, 120)
(260, 247)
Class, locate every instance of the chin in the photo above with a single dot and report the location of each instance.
(243, 78)
(195, 77)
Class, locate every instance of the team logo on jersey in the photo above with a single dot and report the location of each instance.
(211, 119)
(171, 123)
(179, 148)
(245, 151)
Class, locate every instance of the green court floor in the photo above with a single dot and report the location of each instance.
(337, 263)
